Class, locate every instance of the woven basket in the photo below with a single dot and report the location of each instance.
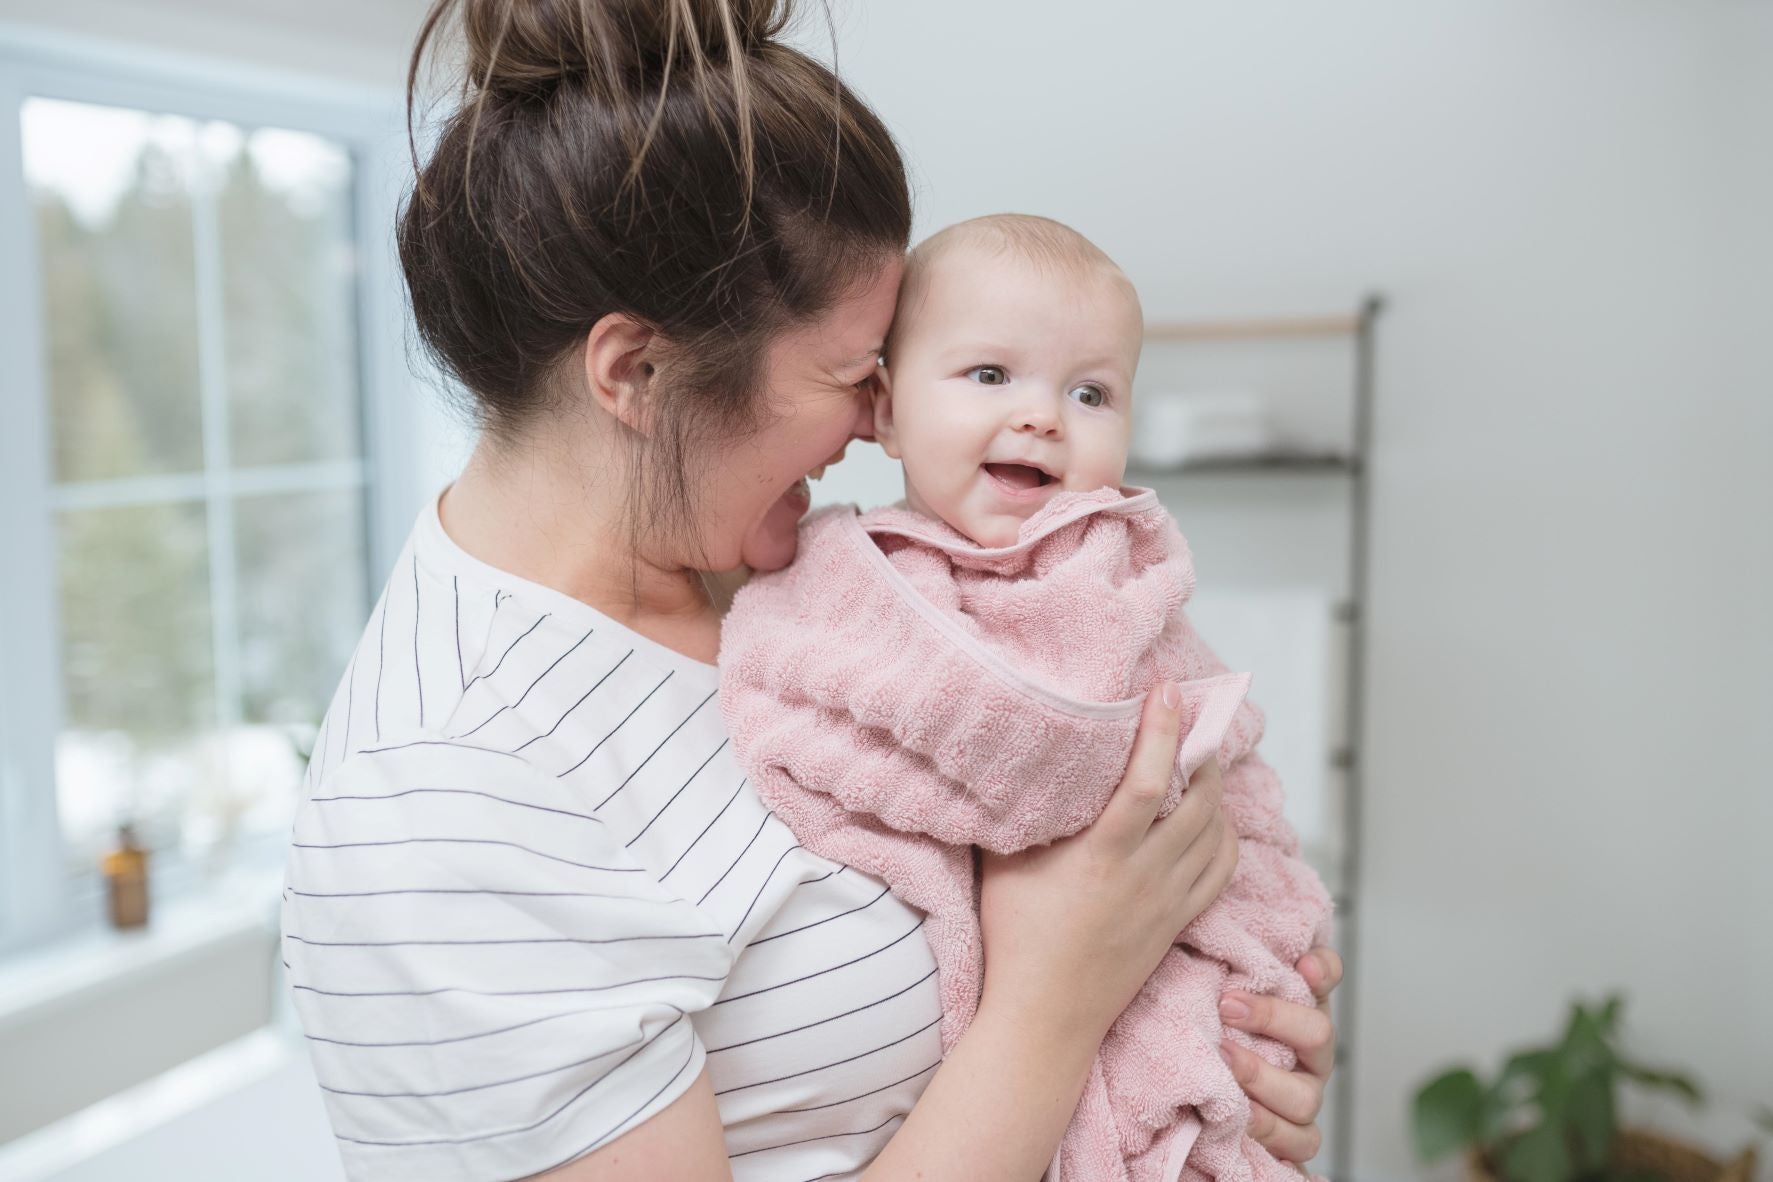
(1636, 1149)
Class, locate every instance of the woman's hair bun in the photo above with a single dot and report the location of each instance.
(533, 45)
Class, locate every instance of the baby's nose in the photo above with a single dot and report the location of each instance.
(1037, 418)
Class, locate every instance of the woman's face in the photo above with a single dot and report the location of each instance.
(818, 380)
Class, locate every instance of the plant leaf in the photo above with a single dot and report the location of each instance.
(1578, 1015)
(1447, 1113)
(1533, 1065)
(1764, 1118)
(1585, 1042)
(1610, 1012)
(1561, 1074)
(1590, 1115)
(1499, 1113)
(1539, 1155)
(1506, 1100)
(1671, 1081)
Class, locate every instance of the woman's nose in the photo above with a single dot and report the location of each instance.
(863, 427)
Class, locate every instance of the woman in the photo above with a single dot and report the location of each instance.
(536, 922)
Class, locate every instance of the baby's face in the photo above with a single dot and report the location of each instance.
(1006, 383)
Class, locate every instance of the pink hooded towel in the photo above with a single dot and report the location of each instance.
(900, 694)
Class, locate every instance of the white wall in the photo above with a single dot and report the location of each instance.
(1568, 748)
(350, 40)
(1569, 754)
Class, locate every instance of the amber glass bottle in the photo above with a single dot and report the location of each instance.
(126, 880)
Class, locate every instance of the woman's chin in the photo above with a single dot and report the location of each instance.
(773, 541)
(767, 554)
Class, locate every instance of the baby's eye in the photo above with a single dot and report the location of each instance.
(1090, 395)
(989, 375)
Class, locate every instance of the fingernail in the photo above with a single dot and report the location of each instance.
(1225, 1054)
(1233, 1010)
(1172, 694)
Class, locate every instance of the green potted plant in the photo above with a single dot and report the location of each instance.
(1550, 1115)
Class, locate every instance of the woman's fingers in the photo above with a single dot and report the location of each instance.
(1282, 1138)
(1284, 1104)
(1322, 970)
(1196, 813)
(1293, 1096)
(1127, 818)
(1207, 865)
(1306, 1029)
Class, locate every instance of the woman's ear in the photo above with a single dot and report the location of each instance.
(621, 369)
(882, 394)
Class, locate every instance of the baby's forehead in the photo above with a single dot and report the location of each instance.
(970, 278)
(947, 257)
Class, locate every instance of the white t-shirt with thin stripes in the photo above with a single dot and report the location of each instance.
(530, 895)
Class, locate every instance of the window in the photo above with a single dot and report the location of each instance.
(191, 523)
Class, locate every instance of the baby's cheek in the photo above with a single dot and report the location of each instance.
(941, 485)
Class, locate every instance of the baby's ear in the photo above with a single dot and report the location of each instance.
(882, 394)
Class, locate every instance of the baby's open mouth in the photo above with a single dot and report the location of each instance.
(1018, 477)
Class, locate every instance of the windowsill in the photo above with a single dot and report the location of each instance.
(71, 971)
(237, 1080)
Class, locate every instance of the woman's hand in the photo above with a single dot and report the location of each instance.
(1073, 929)
(1284, 1104)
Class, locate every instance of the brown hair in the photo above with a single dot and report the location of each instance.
(668, 159)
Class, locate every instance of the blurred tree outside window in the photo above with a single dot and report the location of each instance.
(209, 491)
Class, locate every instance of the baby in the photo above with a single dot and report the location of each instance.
(967, 669)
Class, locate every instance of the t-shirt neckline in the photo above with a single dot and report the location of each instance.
(439, 552)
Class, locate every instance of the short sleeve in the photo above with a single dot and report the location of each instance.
(489, 985)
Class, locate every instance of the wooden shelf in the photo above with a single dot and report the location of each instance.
(1292, 464)
(1242, 330)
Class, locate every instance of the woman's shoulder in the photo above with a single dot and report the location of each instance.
(550, 755)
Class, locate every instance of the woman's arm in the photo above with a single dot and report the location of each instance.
(683, 1142)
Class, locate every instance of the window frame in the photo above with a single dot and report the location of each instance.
(38, 900)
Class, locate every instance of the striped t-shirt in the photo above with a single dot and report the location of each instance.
(530, 895)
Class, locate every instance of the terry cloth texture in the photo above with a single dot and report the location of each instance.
(899, 695)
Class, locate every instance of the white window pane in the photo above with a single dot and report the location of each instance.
(111, 191)
(138, 677)
(284, 207)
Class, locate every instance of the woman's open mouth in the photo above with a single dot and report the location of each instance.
(799, 496)
(1020, 482)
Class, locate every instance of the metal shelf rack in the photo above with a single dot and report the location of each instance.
(1359, 328)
